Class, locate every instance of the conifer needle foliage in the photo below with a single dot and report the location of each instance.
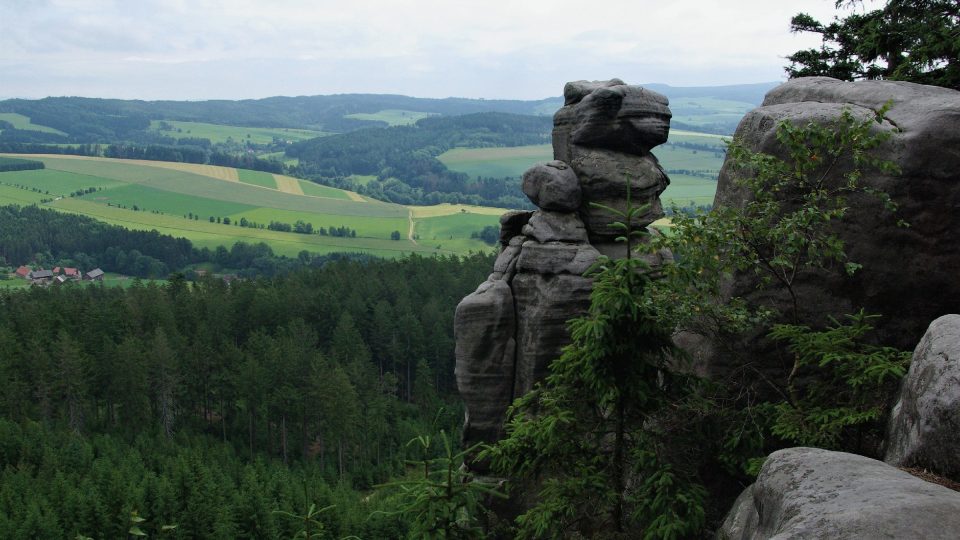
(592, 438)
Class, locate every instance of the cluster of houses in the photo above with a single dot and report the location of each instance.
(58, 275)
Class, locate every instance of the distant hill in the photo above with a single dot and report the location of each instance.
(747, 93)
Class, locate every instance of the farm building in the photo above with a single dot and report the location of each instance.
(94, 275)
(41, 275)
(71, 273)
(23, 272)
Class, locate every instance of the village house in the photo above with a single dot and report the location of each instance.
(94, 275)
(23, 272)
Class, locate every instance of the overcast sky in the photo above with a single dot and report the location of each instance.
(521, 49)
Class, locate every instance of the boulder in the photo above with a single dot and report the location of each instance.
(814, 493)
(552, 186)
(910, 288)
(604, 176)
(620, 117)
(484, 329)
(544, 305)
(547, 226)
(924, 429)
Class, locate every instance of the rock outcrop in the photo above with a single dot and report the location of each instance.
(511, 328)
(909, 273)
(924, 429)
(814, 493)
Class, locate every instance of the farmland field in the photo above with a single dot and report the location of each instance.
(393, 117)
(219, 133)
(20, 121)
(155, 195)
(257, 178)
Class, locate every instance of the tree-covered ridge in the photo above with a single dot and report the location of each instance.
(32, 235)
(329, 370)
(409, 154)
(88, 120)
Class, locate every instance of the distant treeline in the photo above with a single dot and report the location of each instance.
(30, 234)
(404, 158)
(87, 120)
(151, 152)
(14, 164)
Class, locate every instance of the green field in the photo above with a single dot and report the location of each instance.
(257, 178)
(453, 232)
(163, 195)
(20, 121)
(149, 199)
(318, 190)
(56, 182)
(197, 185)
(393, 117)
(219, 133)
(702, 111)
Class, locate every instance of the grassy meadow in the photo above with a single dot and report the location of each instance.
(218, 133)
(393, 117)
(148, 195)
(20, 121)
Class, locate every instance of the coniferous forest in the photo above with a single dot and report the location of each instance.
(224, 411)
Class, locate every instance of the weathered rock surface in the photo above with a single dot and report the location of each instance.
(924, 427)
(814, 493)
(547, 226)
(515, 324)
(909, 274)
(544, 305)
(511, 224)
(484, 326)
(552, 186)
(604, 175)
(618, 117)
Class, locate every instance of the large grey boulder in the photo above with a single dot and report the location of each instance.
(604, 177)
(552, 186)
(814, 493)
(909, 274)
(924, 428)
(618, 117)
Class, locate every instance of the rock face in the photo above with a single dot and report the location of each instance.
(514, 325)
(924, 427)
(814, 493)
(909, 274)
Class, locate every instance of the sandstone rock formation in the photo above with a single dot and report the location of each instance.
(814, 493)
(909, 274)
(924, 427)
(511, 328)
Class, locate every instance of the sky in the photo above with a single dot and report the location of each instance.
(520, 49)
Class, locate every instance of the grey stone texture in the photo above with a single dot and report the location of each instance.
(515, 324)
(552, 186)
(924, 430)
(814, 493)
(909, 273)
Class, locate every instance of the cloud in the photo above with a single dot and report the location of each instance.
(216, 48)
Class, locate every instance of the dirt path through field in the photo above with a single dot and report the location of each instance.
(287, 184)
(412, 225)
(355, 196)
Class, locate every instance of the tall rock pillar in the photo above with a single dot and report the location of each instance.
(511, 328)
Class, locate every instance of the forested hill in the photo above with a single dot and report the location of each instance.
(86, 120)
(404, 158)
